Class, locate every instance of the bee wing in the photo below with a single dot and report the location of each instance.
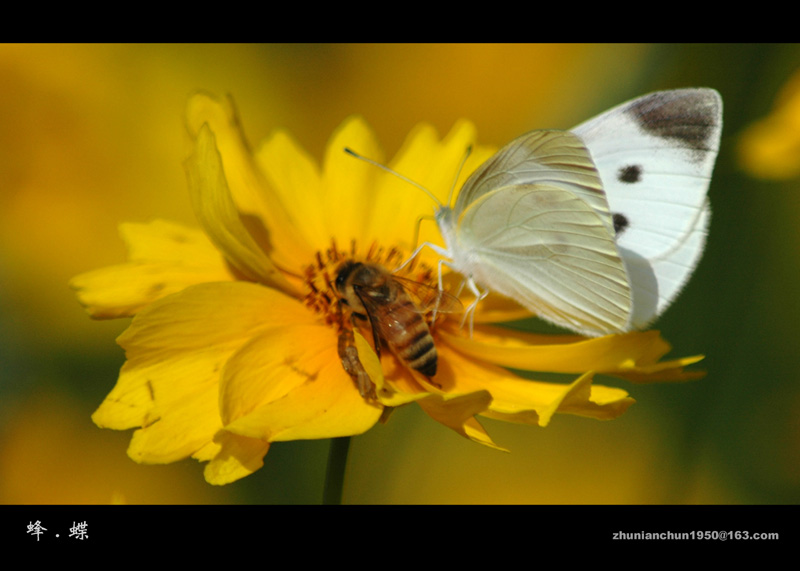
(427, 298)
(371, 307)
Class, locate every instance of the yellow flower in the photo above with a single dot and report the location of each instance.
(770, 147)
(234, 340)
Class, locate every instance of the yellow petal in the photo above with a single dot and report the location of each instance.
(164, 258)
(665, 371)
(372, 365)
(238, 457)
(430, 162)
(435, 163)
(458, 413)
(326, 406)
(294, 177)
(155, 383)
(272, 364)
(165, 241)
(208, 451)
(635, 354)
(217, 213)
(528, 401)
(348, 183)
(176, 349)
(184, 421)
(536, 403)
(262, 210)
(208, 314)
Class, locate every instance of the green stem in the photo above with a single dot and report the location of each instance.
(334, 477)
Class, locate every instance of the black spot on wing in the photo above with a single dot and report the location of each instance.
(687, 118)
(630, 174)
(620, 223)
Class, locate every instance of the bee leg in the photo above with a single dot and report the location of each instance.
(348, 353)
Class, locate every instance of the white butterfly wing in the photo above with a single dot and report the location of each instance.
(547, 156)
(546, 248)
(655, 156)
(657, 281)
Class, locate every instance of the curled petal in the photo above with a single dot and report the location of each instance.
(262, 211)
(580, 397)
(217, 213)
(458, 413)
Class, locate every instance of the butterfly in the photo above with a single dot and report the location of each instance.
(596, 229)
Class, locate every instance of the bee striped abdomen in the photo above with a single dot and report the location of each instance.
(415, 344)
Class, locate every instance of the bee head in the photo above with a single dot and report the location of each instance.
(343, 274)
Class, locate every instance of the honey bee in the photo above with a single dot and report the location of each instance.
(387, 302)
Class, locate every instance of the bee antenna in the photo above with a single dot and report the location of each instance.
(458, 173)
(395, 173)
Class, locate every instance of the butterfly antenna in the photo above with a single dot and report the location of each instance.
(395, 173)
(458, 173)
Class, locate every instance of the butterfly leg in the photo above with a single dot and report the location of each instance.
(470, 311)
(411, 257)
(441, 289)
(473, 287)
(438, 249)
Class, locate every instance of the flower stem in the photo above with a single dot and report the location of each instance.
(334, 477)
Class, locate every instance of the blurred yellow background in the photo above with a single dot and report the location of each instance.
(92, 135)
